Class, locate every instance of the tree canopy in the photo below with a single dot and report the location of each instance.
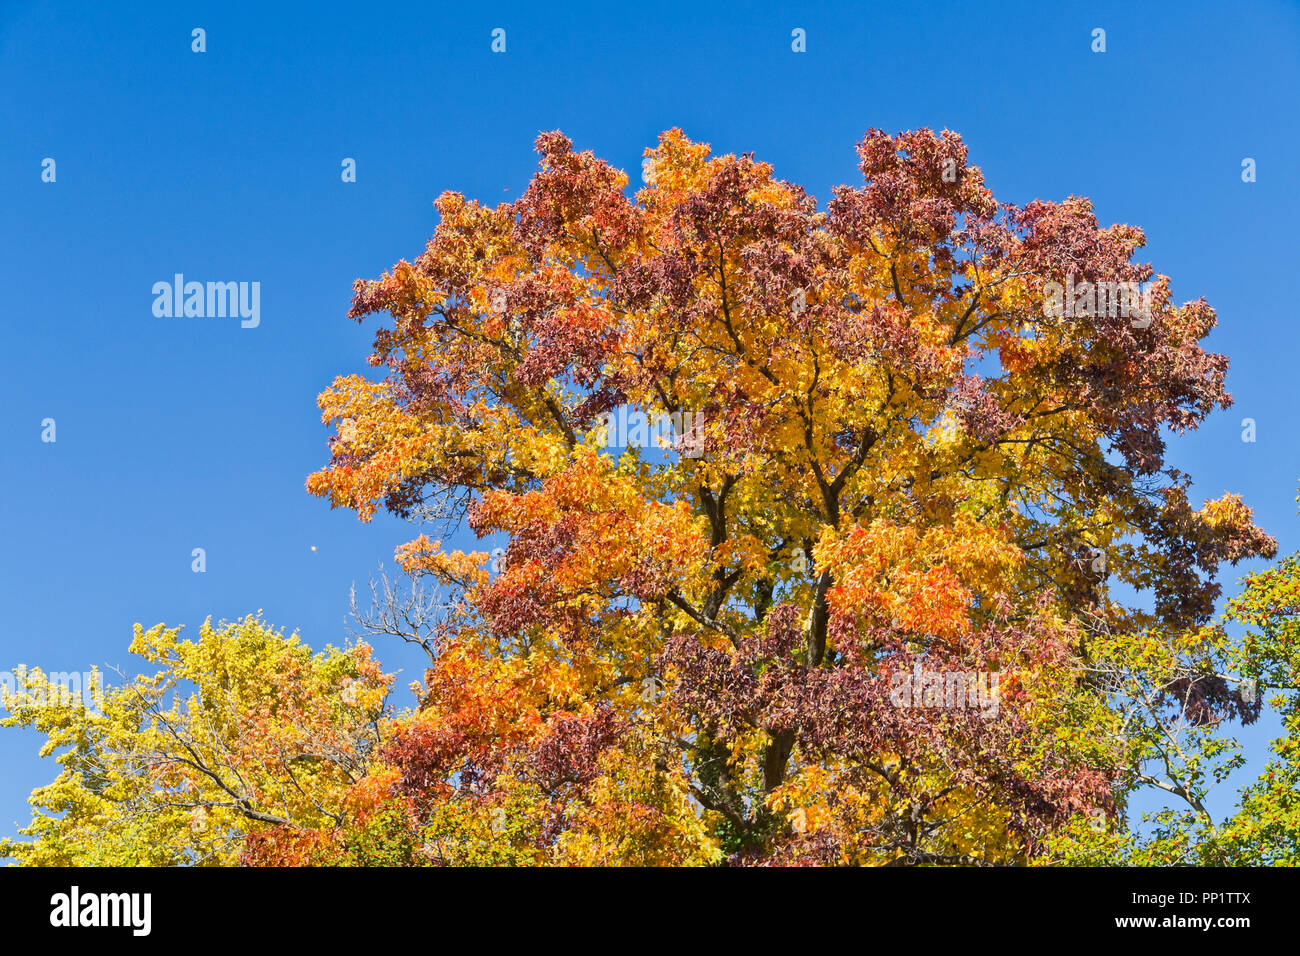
(908, 581)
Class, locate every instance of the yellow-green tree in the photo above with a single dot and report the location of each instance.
(242, 729)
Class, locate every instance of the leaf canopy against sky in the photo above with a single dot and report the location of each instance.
(906, 464)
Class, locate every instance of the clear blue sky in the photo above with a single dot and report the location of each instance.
(183, 433)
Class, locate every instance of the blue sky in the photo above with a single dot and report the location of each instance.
(181, 433)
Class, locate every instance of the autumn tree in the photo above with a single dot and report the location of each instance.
(908, 579)
(901, 454)
(240, 730)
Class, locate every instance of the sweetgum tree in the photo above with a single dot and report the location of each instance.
(900, 463)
